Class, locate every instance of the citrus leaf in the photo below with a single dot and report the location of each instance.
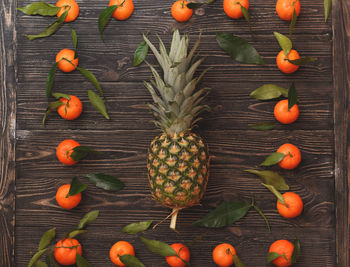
(273, 159)
(246, 17)
(131, 261)
(237, 262)
(271, 178)
(40, 8)
(76, 233)
(104, 18)
(327, 8)
(284, 42)
(36, 257)
(52, 106)
(302, 61)
(98, 103)
(60, 95)
(224, 215)
(263, 216)
(75, 40)
(193, 5)
(272, 256)
(105, 181)
(47, 238)
(50, 79)
(50, 260)
(140, 53)
(80, 152)
(134, 228)
(87, 219)
(296, 251)
(91, 78)
(81, 262)
(269, 91)
(275, 192)
(292, 22)
(292, 96)
(238, 48)
(158, 247)
(51, 29)
(263, 126)
(40, 263)
(76, 187)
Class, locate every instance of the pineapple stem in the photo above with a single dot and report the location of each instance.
(173, 219)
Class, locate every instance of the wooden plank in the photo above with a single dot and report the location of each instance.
(7, 130)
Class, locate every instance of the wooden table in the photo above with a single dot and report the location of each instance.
(31, 174)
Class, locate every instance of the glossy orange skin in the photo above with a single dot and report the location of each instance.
(180, 11)
(282, 247)
(284, 65)
(285, 8)
(120, 248)
(67, 202)
(67, 255)
(292, 158)
(293, 205)
(233, 9)
(71, 109)
(64, 150)
(183, 252)
(63, 64)
(283, 115)
(73, 9)
(122, 12)
(221, 257)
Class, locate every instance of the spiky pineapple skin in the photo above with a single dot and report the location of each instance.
(178, 169)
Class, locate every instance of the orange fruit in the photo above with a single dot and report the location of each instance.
(283, 115)
(123, 11)
(222, 255)
(67, 62)
(284, 65)
(118, 249)
(293, 205)
(64, 201)
(71, 6)
(292, 158)
(285, 8)
(183, 252)
(64, 150)
(180, 11)
(71, 109)
(282, 247)
(66, 251)
(233, 9)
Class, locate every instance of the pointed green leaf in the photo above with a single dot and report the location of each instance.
(158, 247)
(246, 17)
(76, 233)
(52, 106)
(272, 256)
(271, 178)
(302, 61)
(40, 8)
(284, 42)
(224, 215)
(91, 78)
(60, 95)
(238, 48)
(296, 251)
(82, 262)
(273, 159)
(237, 261)
(292, 96)
(36, 257)
(98, 103)
(47, 238)
(81, 152)
(263, 126)
(76, 187)
(140, 53)
(104, 17)
(134, 228)
(50, 79)
(75, 40)
(327, 8)
(105, 181)
(275, 192)
(87, 219)
(263, 216)
(40, 263)
(292, 22)
(131, 261)
(269, 91)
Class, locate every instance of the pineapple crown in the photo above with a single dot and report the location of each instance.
(177, 101)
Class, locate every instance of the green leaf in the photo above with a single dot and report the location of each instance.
(104, 17)
(284, 42)
(105, 181)
(51, 261)
(246, 17)
(60, 95)
(81, 262)
(273, 159)
(224, 215)
(302, 61)
(52, 106)
(263, 126)
(51, 29)
(327, 9)
(292, 96)
(36, 257)
(80, 152)
(75, 40)
(271, 178)
(237, 261)
(263, 216)
(131, 261)
(40, 8)
(296, 251)
(91, 78)
(40, 263)
(76, 187)
(50, 79)
(269, 91)
(238, 48)
(76, 233)
(47, 238)
(272, 256)
(193, 5)
(158, 247)
(87, 219)
(140, 53)
(134, 228)
(98, 103)
(275, 192)
(292, 22)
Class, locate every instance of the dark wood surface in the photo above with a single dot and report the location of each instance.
(321, 133)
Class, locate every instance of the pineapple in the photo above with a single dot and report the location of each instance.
(178, 160)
